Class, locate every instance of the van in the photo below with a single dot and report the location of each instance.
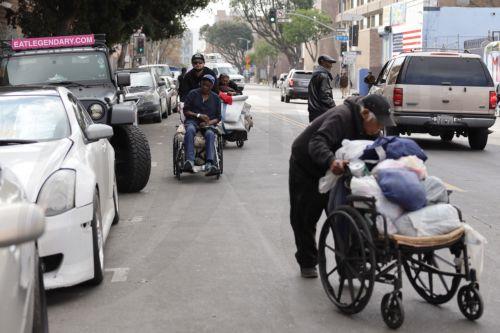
(226, 68)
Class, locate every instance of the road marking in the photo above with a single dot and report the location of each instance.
(454, 188)
(154, 164)
(120, 274)
(136, 219)
(159, 143)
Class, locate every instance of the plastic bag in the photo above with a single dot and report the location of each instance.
(402, 187)
(327, 182)
(352, 149)
(475, 243)
(388, 164)
(433, 220)
(415, 164)
(368, 187)
(435, 191)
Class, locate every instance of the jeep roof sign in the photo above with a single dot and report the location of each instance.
(51, 42)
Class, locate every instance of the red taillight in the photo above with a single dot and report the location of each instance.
(291, 83)
(397, 97)
(493, 100)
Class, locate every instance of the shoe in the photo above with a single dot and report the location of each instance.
(308, 273)
(188, 166)
(211, 170)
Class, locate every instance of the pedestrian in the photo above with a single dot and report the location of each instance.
(180, 78)
(192, 79)
(370, 80)
(313, 153)
(275, 81)
(344, 85)
(320, 94)
(337, 80)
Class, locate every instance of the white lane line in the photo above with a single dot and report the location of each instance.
(120, 274)
(154, 164)
(454, 188)
(136, 219)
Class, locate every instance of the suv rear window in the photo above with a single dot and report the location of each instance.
(302, 75)
(446, 71)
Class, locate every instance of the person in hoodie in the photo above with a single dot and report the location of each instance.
(320, 88)
(313, 153)
(192, 79)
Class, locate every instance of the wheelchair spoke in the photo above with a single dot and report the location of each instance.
(351, 289)
(337, 252)
(332, 271)
(341, 288)
(441, 276)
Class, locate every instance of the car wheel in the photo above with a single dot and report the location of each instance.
(97, 242)
(159, 117)
(391, 131)
(133, 158)
(116, 219)
(164, 110)
(169, 108)
(478, 137)
(287, 99)
(40, 319)
(282, 98)
(447, 136)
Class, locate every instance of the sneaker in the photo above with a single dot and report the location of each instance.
(211, 170)
(308, 273)
(188, 166)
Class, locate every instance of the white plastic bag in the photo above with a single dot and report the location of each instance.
(432, 220)
(387, 164)
(415, 164)
(368, 187)
(352, 149)
(475, 243)
(435, 191)
(327, 182)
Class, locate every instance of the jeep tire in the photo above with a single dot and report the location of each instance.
(478, 137)
(133, 158)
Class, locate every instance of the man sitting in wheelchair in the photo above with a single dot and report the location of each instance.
(202, 110)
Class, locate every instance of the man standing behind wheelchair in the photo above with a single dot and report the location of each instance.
(202, 109)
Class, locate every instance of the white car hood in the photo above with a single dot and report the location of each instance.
(33, 163)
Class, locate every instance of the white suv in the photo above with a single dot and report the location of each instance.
(440, 93)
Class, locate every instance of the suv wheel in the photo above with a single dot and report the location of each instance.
(447, 136)
(478, 137)
(391, 131)
(133, 158)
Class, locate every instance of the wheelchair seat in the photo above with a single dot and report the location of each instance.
(429, 241)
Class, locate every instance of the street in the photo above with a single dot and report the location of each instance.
(201, 255)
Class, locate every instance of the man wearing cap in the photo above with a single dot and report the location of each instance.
(313, 153)
(320, 88)
(192, 78)
(202, 109)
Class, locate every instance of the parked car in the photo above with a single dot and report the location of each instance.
(440, 93)
(172, 95)
(282, 79)
(65, 164)
(22, 305)
(148, 92)
(162, 70)
(228, 69)
(295, 85)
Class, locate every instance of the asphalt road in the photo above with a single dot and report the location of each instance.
(202, 255)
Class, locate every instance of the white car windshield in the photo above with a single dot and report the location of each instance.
(227, 70)
(141, 79)
(88, 68)
(33, 118)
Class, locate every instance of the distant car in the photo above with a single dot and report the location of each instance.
(441, 93)
(295, 85)
(282, 79)
(22, 305)
(228, 69)
(65, 164)
(172, 96)
(148, 91)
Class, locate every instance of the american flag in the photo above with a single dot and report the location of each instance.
(407, 40)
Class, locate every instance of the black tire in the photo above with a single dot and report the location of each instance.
(240, 143)
(470, 302)
(287, 99)
(116, 219)
(220, 152)
(282, 98)
(169, 108)
(164, 113)
(478, 138)
(391, 131)
(351, 259)
(447, 136)
(178, 158)
(433, 287)
(97, 243)
(392, 310)
(40, 319)
(158, 118)
(133, 158)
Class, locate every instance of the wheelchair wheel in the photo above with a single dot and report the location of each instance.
(347, 260)
(470, 301)
(434, 287)
(240, 143)
(392, 310)
(220, 153)
(178, 157)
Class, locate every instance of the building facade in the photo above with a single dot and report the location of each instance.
(6, 31)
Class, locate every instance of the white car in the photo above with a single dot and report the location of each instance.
(66, 165)
(228, 69)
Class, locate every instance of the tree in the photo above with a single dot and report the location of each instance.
(256, 12)
(301, 30)
(230, 40)
(263, 51)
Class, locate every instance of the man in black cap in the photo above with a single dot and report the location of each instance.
(313, 153)
(320, 88)
(193, 78)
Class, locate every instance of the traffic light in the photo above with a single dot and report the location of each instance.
(354, 35)
(272, 15)
(140, 45)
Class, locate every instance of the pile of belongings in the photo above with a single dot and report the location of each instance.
(236, 114)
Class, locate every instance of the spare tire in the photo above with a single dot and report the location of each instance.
(132, 158)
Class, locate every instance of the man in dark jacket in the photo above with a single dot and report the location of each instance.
(313, 153)
(320, 88)
(193, 78)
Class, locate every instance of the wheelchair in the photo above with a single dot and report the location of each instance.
(353, 255)
(179, 156)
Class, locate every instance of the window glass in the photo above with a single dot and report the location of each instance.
(302, 75)
(141, 79)
(395, 69)
(384, 73)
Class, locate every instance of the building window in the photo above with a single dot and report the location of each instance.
(381, 19)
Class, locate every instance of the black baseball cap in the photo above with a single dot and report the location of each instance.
(326, 58)
(197, 56)
(380, 107)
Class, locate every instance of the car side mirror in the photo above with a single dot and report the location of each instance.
(21, 223)
(96, 132)
(123, 79)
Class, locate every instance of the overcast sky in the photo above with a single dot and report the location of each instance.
(202, 17)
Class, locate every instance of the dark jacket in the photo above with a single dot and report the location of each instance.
(314, 149)
(320, 92)
(192, 81)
